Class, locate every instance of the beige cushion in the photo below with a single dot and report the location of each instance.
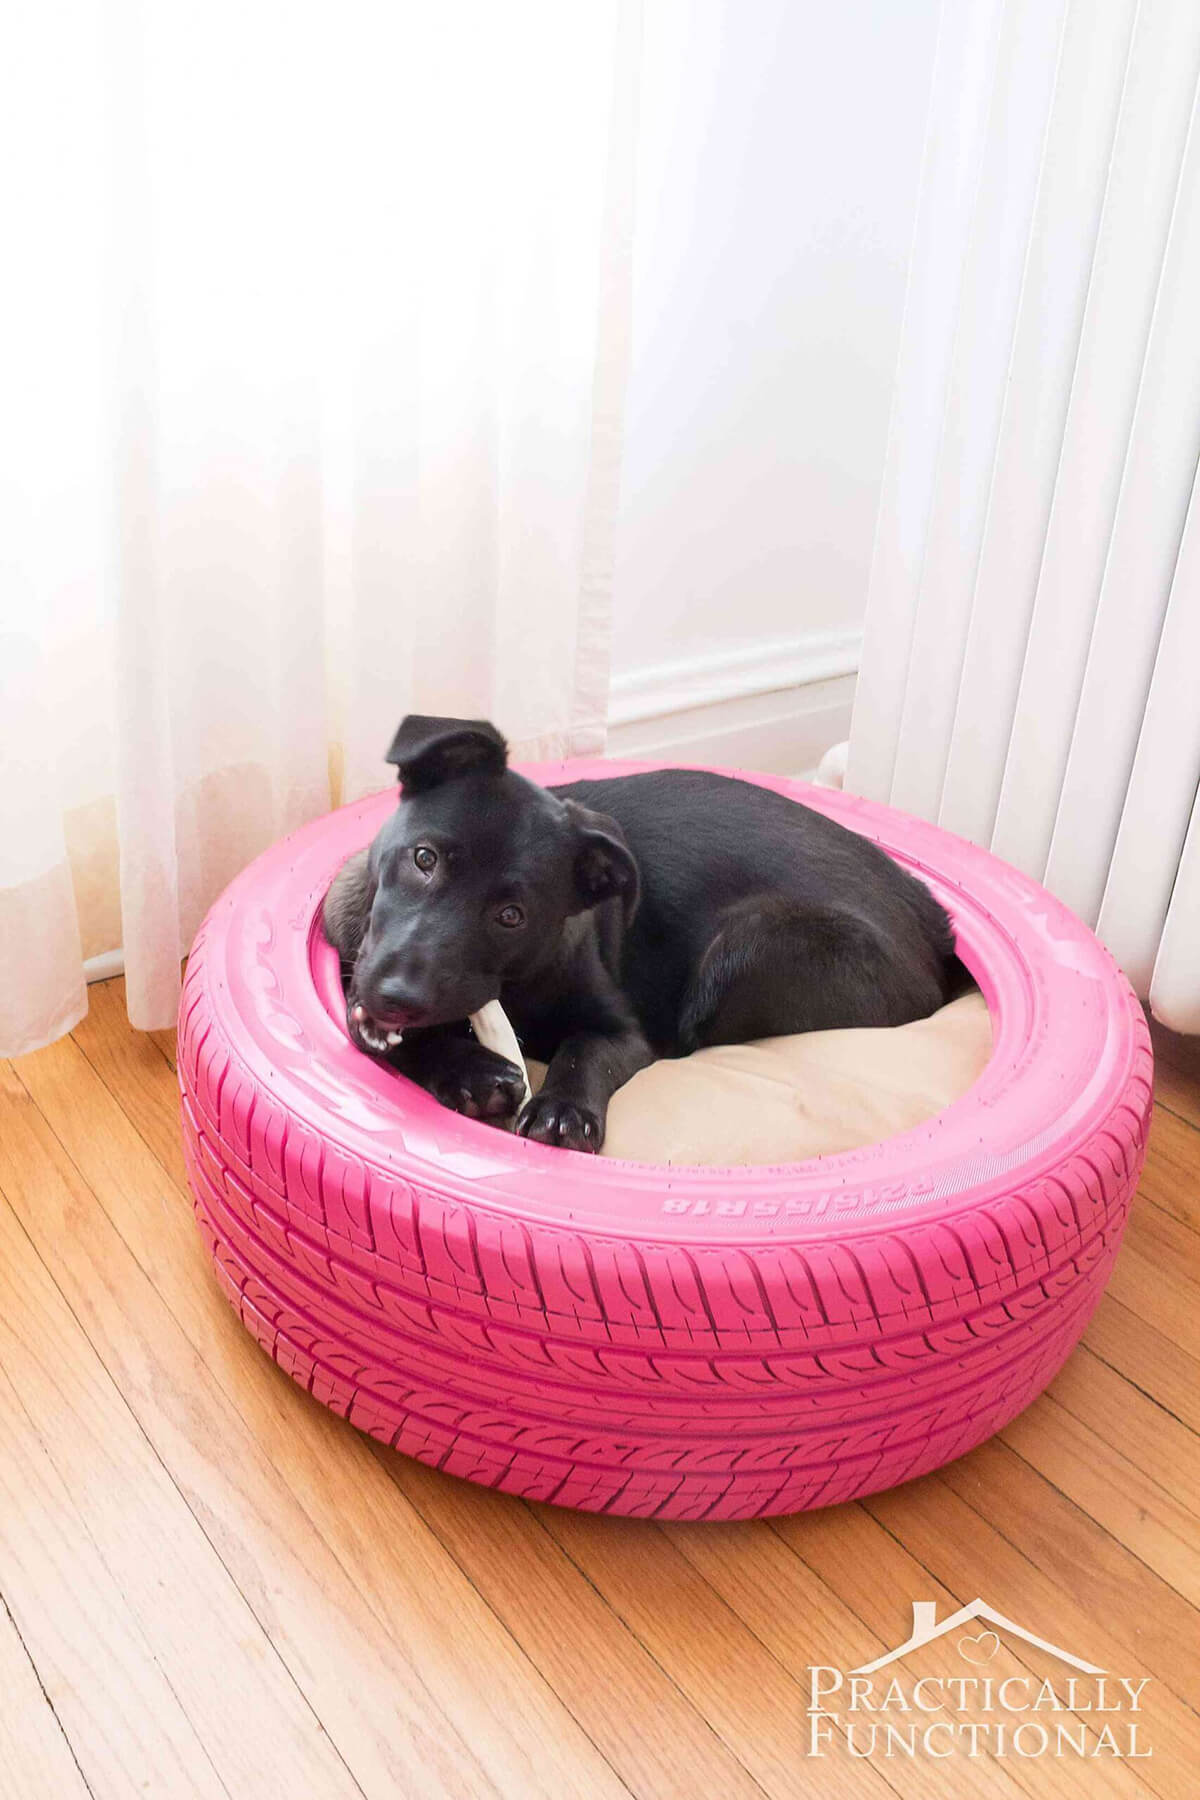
(789, 1098)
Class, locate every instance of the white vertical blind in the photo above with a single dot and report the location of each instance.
(964, 68)
(1058, 267)
(1139, 198)
(1031, 664)
(993, 259)
(1152, 890)
(1143, 548)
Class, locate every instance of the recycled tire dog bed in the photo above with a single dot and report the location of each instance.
(623, 1337)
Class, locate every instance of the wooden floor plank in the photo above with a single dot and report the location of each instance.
(1112, 1490)
(1149, 1359)
(135, 1072)
(1163, 1238)
(651, 1732)
(195, 1625)
(127, 1728)
(35, 1755)
(1177, 1071)
(1155, 1275)
(753, 1701)
(1103, 1402)
(1169, 1177)
(1177, 1093)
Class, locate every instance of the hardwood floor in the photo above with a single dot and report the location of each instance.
(212, 1586)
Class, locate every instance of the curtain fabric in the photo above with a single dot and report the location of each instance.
(315, 350)
(1031, 661)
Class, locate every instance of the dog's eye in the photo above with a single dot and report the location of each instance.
(425, 858)
(510, 916)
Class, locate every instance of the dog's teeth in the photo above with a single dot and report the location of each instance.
(395, 1037)
(358, 1014)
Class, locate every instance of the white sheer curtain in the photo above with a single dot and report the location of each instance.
(314, 347)
(1031, 660)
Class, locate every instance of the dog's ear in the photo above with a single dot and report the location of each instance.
(427, 752)
(604, 864)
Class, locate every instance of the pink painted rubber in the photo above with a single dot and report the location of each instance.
(686, 1343)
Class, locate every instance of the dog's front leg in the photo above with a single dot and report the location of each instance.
(585, 1072)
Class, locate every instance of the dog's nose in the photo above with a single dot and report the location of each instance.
(396, 1004)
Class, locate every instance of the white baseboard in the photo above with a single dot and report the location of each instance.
(768, 668)
(778, 706)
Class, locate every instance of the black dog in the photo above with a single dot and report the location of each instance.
(616, 921)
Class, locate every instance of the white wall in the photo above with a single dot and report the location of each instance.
(777, 178)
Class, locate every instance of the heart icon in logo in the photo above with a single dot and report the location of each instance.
(979, 1649)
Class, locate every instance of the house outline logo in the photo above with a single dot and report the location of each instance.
(884, 1710)
(926, 1630)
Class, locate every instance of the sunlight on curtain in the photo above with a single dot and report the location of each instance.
(317, 355)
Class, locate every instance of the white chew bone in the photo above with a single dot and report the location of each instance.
(490, 1025)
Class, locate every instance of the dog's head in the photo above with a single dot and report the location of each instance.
(471, 883)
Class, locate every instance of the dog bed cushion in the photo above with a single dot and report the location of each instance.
(787, 1099)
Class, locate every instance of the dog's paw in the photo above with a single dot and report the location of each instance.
(483, 1086)
(549, 1120)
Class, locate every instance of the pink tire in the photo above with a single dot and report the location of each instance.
(682, 1343)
